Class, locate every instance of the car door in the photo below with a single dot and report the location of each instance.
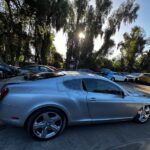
(106, 101)
(118, 77)
(121, 77)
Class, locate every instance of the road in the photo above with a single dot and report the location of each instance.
(110, 136)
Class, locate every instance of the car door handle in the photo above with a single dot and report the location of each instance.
(92, 99)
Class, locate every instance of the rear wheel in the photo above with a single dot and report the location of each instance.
(143, 114)
(46, 124)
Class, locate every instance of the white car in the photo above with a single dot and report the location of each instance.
(133, 76)
(118, 77)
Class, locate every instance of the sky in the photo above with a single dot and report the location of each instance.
(143, 21)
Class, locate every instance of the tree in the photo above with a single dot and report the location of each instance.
(132, 46)
(91, 20)
(47, 14)
(27, 26)
(144, 62)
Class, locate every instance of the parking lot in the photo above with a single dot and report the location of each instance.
(125, 135)
(136, 88)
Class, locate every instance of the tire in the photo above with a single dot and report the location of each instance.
(4, 76)
(136, 80)
(113, 79)
(125, 80)
(46, 124)
(143, 115)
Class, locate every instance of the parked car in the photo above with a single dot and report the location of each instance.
(145, 78)
(52, 101)
(36, 69)
(115, 76)
(119, 77)
(87, 71)
(8, 70)
(133, 77)
(105, 71)
(124, 73)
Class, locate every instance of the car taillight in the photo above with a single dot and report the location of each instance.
(3, 93)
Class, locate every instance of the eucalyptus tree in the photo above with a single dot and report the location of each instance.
(75, 24)
(13, 30)
(144, 62)
(97, 20)
(132, 46)
(47, 15)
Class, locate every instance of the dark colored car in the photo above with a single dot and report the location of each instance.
(36, 69)
(8, 70)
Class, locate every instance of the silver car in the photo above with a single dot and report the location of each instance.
(48, 102)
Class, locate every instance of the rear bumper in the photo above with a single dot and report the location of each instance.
(10, 115)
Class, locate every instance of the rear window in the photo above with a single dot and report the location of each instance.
(40, 76)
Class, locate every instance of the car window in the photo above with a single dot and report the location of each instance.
(35, 68)
(101, 86)
(4, 68)
(45, 75)
(74, 84)
(45, 69)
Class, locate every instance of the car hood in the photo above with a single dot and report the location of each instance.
(133, 76)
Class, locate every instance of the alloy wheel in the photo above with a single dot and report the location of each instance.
(47, 125)
(143, 114)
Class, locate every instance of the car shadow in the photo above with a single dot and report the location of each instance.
(93, 137)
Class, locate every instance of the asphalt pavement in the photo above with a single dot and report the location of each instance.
(110, 136)
(136, 88)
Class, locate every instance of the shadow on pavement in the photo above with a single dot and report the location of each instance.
(144, 145)
(90, 137)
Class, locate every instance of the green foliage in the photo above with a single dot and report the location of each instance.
(143, 62)
(132, 47)
(25, 25)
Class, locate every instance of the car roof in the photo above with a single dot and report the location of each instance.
(78, 74)
(85, 69)
(35, 65)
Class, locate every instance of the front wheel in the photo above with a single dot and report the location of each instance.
(143, 114)
(46, 124)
